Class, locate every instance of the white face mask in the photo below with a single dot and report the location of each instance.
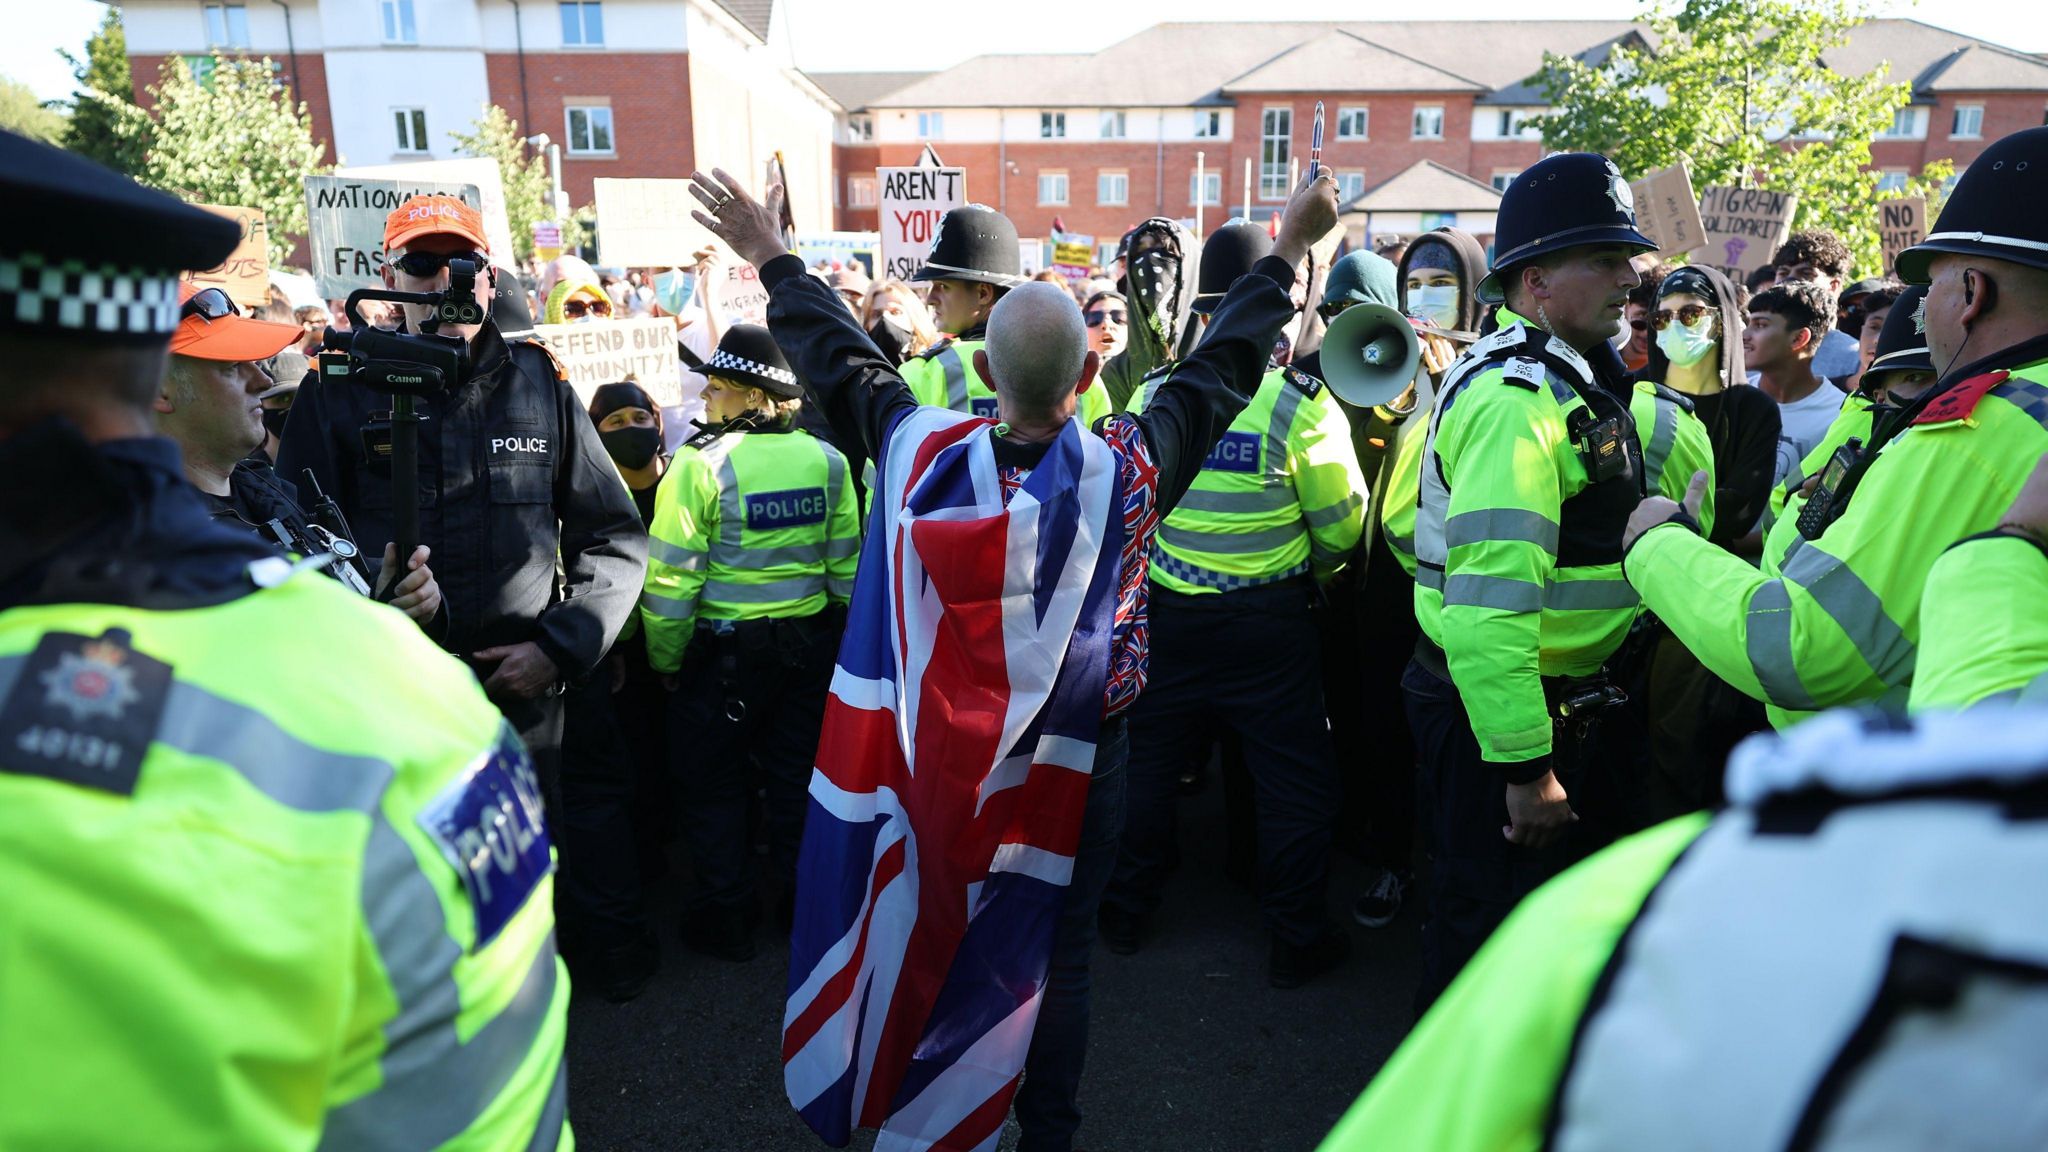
(1435, 303)
(1688, 346)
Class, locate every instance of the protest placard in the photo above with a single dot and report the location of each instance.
(1072, 254)
(1743, 228)
(481, 171)
(1667, 211)
(743, 295)
(607, 351)
(647, 223)
(547, 239)
(1901, 224)
(246, 274)
(913, 200)
(345, 219)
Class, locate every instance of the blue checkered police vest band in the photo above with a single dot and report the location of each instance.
(1236, 452)
(793, 508)
(67, 296)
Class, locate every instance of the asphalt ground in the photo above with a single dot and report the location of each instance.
(1189, 1051)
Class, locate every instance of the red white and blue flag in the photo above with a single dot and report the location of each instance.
(951, 775)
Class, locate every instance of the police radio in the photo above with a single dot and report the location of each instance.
(1831, 494)
(404, 366)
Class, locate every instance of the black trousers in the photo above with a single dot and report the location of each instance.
(756, 696)
(1476, 876)
(599, 889)
(1368, 635)
(1243, 662)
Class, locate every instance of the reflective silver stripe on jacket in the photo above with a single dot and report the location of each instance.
(1662, 436)
(948, 357)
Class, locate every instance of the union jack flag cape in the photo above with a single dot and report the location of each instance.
(951, 775)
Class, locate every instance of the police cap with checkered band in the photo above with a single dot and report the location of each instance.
(90, 255)
(747, 356)
(1570, 200)
(1995, 210)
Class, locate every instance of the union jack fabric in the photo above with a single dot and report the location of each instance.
(951, 776)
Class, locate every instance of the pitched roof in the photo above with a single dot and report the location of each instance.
(1426, 186)
(1935, 60)
(754, 14)
(1341, 61)
(854, 91)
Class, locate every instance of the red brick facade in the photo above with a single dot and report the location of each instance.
(649, 95)
(2004, 114)
(311, 89)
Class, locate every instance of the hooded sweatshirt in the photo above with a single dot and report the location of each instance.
(1162, 317)
(1741, 421)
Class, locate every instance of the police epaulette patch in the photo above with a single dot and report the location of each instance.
(704, 439)
(1666, 392)
(489, 823)
(1309, 385)
(84, 711)
(1960, 400)
(561, 369)
(1523, 372)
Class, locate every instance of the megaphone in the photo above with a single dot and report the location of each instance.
(1369, 356)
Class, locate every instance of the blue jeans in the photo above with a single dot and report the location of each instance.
(1045, 1102)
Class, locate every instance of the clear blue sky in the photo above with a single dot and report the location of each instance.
(849, 35)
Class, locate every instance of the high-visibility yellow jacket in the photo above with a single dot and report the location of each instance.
(1853, 421)
(1675, 445)
(944, 376)
(1983, 628)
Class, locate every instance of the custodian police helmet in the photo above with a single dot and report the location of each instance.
(1564, 201)
(1229, 253)
(1995, 210)
(978, 243)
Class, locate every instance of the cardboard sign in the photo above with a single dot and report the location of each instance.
(1743, 228)
(742, 296)
(1072, 254)
(647, 223)
(1901, 224)
(1668, 212)
(246, 275)
(607, 351)
(345, 219)
(912, 202)
(480, 171)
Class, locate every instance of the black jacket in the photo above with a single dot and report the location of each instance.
(512, 474)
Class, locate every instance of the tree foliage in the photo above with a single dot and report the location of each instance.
(529, 190)
(22, 113)
(106, 124)
(1738, 90)
(234, 137)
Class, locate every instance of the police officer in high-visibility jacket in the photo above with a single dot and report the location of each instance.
(973, 261)
(1532, 466)
(1278, 505)
(1838, 620)
(276, 871)
(750, 564)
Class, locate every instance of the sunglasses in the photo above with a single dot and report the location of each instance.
(209, 305)
(424, 264)
(1330, 310)
(1095, 316)
(586, 307)
(1687, 316)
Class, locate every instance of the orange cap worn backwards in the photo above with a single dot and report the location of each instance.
(210, 327)
(426, 215)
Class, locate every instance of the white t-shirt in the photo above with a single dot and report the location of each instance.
(1802, 424)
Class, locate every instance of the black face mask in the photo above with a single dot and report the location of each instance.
(890, 335)
(632, 447)
(273, 421)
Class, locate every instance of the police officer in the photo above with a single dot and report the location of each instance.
(204, 405)
(754, 540)
(1531, 468)
(1278, 506)
(512, 476)
(250, 902)
(973, 261)
(1838, 619)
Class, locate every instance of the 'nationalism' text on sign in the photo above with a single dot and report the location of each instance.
(1744, 227)
(345, 218)
(913, 201)
(1901, 224)
(607, 351)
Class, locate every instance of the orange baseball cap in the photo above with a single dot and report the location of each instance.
(427, 215)
(210, 327)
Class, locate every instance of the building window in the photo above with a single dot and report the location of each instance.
(1208, 124)
(412, 129)
(860, 192)
(1513, 122)
(1210, 191)
(1908, 123)
(1429, 122)
(1052, 187)
(1431, 221)
(1052, 125)
(227, 26)
(1502, 177)
(590, 132)
(1969, 122)
(1892, 180)
(398, 26)
(1113, 188)
(1352, 123)
(931, 125)
(1113, 126)
(1350, 186)
(1276, 142)
(860, 127)
(582, 23)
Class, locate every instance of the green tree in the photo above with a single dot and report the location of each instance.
(238, 138)
(529, 191)
(106, 124)
(1737, 89)
(21, 112)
